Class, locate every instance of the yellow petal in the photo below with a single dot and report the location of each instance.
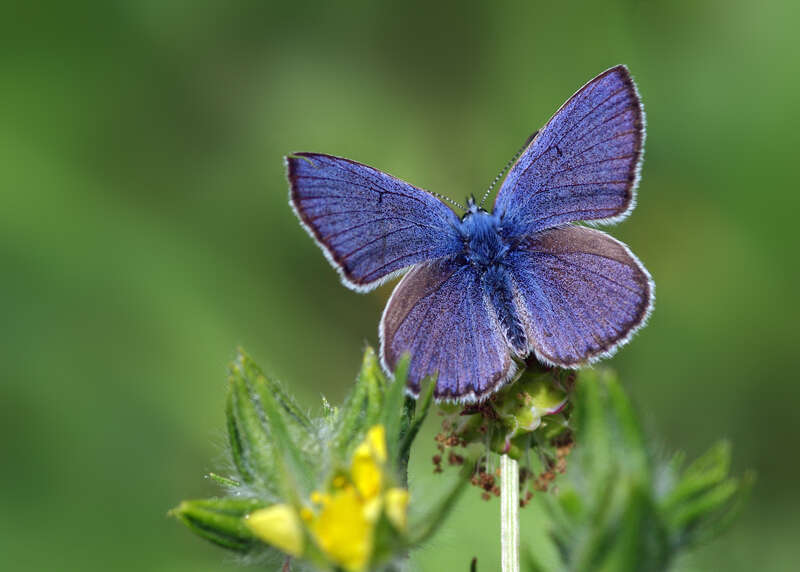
(376, 437)
(365, 469)
(372, 509)
(397, 508)
(343, 531)
(279, 526)
(366, 474)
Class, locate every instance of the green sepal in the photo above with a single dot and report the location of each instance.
(220, 520)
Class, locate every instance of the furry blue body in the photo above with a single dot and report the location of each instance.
(486, 250)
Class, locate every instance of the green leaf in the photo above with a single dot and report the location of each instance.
(376, 387)
(615, 512)
(295, 413)
(296, 472)
(236, 441)
(220, 520)
(419, 415)
(351, 426)
(593, 430)
(261, 440)
(719, 522)
(637, 542)
(251, 443)
(704, 473)
(260, 383)
(629, 432)
(392, 412)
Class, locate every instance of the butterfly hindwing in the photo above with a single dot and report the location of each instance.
(370, 224)
(581, 166)
(581, 294)
(439, 314)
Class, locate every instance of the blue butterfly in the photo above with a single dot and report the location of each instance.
(488, 289)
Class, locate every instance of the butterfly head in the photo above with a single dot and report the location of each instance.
(472, 207)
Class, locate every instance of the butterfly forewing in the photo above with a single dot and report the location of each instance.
(370, 224)
(583, 165)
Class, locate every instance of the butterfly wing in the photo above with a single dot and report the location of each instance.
(439, 314)
(369, 224)
(583, 165)
(581, 294)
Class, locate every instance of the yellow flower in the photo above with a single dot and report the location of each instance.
(279, 526)
(343, 530)
(342, 521)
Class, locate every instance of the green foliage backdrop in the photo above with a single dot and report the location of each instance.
(144, 234)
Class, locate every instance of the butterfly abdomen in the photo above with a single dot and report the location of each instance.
(497, 286)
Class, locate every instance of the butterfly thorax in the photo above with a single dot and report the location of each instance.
(483, 245)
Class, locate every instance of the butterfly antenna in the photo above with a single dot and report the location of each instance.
(448, 200)
(507, 167)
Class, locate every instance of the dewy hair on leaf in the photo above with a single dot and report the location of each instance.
(488, 289)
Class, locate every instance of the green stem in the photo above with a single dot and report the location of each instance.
(509, 513)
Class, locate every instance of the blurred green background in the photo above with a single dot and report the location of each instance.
(145, 233)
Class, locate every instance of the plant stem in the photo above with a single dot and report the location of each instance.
(509, 513)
